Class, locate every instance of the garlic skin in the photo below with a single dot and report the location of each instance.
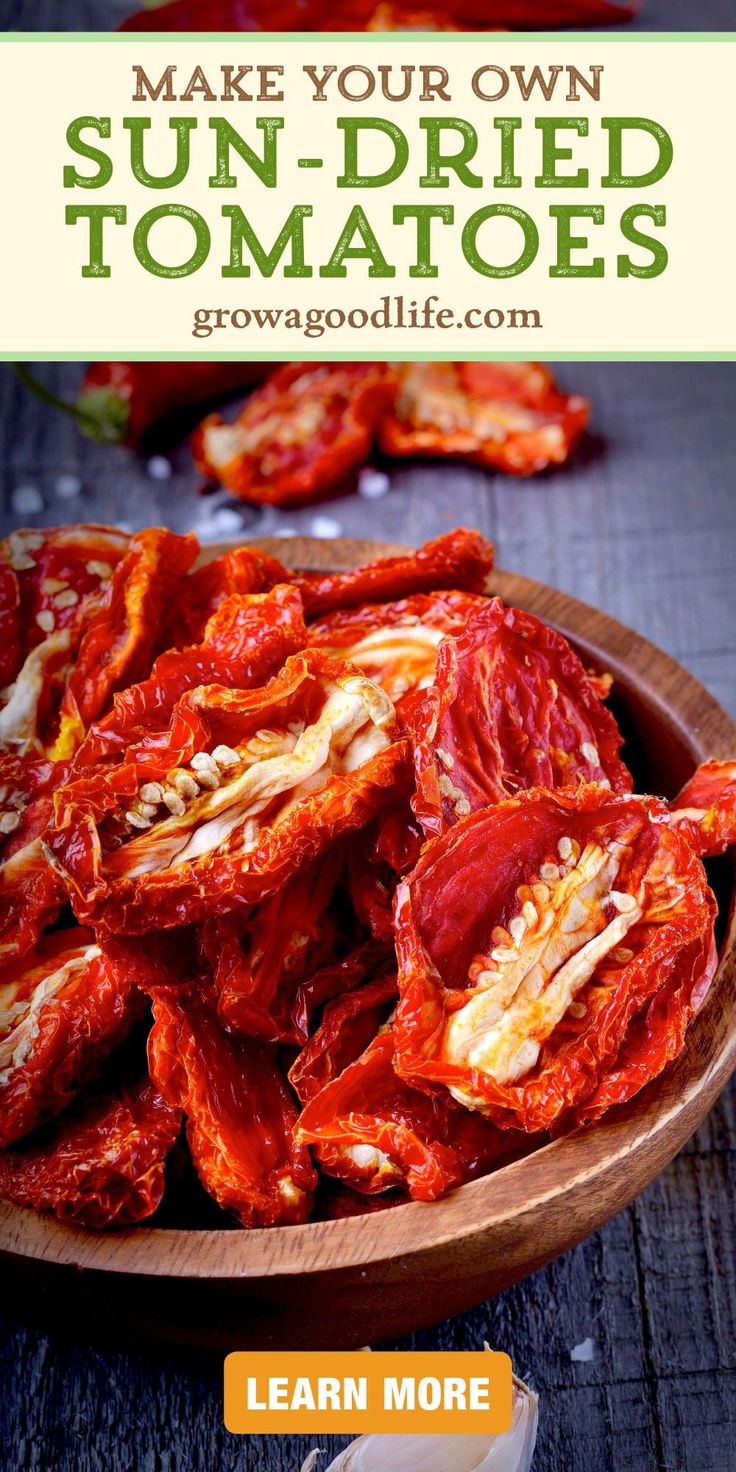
(510, 1452)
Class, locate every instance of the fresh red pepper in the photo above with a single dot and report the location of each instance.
(65, 1007)
(102, 1165)
(220, 810)
(299, 434)
(370, 1128)
(706, 808)
(511, 707)
(531, 938)
(509, 416)
(460, 559)
(240, 1115)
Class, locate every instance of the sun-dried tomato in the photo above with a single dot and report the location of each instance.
(244, 788)
(245, 642)
(396, 644)
(533, 935)
(511, 707)
(118, 642)
(102, 1165)
(52, 582)
(260, 961)
(299, 434)
(509, 416)
(240, 1114)
(348, 1024)
(705, 809)
(372, 1129)
(245, 570)
(388, 848)
(31, 896)
(460, 559)
(64, 1007)
(376, 15)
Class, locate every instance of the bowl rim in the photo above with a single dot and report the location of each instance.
(676, 1102)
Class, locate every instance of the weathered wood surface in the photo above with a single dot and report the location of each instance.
(93, 15)
(644, 526)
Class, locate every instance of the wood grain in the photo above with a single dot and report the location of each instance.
(350, 1282)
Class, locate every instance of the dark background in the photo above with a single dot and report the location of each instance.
(643, 524)
(94, 15)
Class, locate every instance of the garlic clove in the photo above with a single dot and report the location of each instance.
(510, 1452)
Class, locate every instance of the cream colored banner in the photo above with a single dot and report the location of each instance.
(685, 85)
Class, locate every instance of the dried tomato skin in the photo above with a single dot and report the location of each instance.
(429, 1143)
(465, 883)
(211, 885)
(460, 560)
(244, 570)
(101, 1165)
(31, 896)
(511, 707)
(296, 459)
(403, 672)
(246, 640)
(117, 646)
(240, 1115)
(62, 1036)
(261, 960)
(388, 848)
(10, 634)
(349, 1023)
(705, 809)
(529, 424)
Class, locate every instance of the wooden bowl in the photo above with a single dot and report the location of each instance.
(349, 1283)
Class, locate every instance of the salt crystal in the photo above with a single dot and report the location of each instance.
(227, 520)
(325, 526)
(68, 487)
(372, 484)
(159, 468)
(583, 1353)
(27, 500)
(286, 531)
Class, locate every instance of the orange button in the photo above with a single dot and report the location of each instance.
(350, 1391)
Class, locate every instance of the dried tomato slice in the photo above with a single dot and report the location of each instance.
(260, 961)
(50, 585)
(372, 1129)
(705, 809)
(118, 642)
(387, 848)
(102, 1165)
(64, 1007)
(298, 434)
(245, 787)
(511, 707)
(245, 642)
(31, 896)
(532, 936)
(245, 570)
(240, 1115)
(349, 1023)
(509, 416)
(460, 559)
(395, 644)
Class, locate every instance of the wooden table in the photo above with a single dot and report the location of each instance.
(643, 524)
